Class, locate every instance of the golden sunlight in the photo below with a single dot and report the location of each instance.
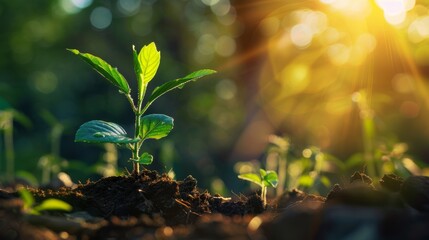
(322, 55)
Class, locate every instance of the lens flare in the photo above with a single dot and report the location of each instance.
(340, 65)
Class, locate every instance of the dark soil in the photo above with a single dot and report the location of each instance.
(152, 206)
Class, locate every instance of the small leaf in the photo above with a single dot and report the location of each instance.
(53, 204)
(98, 131)
(178, 83)
(141, 87)
(305, 181)
(325, 181)
(270, 179)
(21, 118)
(155, 126)
(262, 172)
(26, 197)
(145, 159)
(149, 58)
(9, 115)
(105, 69)
(251, 177)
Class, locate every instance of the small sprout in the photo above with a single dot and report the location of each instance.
(153, 126)
(46, 205)
(145, 159)
(264, 179)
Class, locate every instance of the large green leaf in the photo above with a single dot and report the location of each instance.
(149, 58)
(270, 179)
(252, 177)
(106, 70)
(155, 126)
(168, 86)
(98, 131)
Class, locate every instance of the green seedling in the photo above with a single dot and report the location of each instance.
(8, 116)
(50, 204)
(51, 163)
(152, 126)
(277, 154)
(265, 179)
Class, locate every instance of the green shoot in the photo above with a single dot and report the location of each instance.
(265, 179)
(153, 126)
(7, 117)
(368, 130)
(46, 205)
(51, 162)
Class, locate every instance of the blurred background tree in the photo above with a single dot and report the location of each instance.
(346, 76)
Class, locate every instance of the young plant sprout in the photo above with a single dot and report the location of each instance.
(50, 204)
(152, 126)
(265, 179)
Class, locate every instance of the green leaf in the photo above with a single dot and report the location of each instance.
(178, 83)
(21, 118)
(325, 181)
(98, 131)
(145, 159)
(26, 197)
(53, 204)
(141, 87)
(262, 172)
(149, 58)
(305, 181)
(270, 179)
(155, 126)
(27, 177)
(251, 177)
(9, 115)
(105, 69)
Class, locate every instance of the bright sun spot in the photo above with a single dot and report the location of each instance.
(395, 11)
(319, 55)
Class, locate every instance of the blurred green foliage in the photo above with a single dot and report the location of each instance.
(38, 75)
(292, 68)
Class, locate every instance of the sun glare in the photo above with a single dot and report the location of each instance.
(321, 53)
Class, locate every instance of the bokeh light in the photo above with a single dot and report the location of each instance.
(336, 67)
(101, 17)
(395, 11)
(74, 6)
(129, 7)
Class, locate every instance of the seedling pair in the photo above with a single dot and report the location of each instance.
(264, 179)
(152, 126)
(50, 204)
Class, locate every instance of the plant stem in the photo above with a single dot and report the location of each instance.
(282, 172)
(368, 131)
(368, 135)
(131, 101)
(264, 196)
(9, 149)
(140, 100)
(137, 145)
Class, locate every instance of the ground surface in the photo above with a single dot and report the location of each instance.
(152, 206)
